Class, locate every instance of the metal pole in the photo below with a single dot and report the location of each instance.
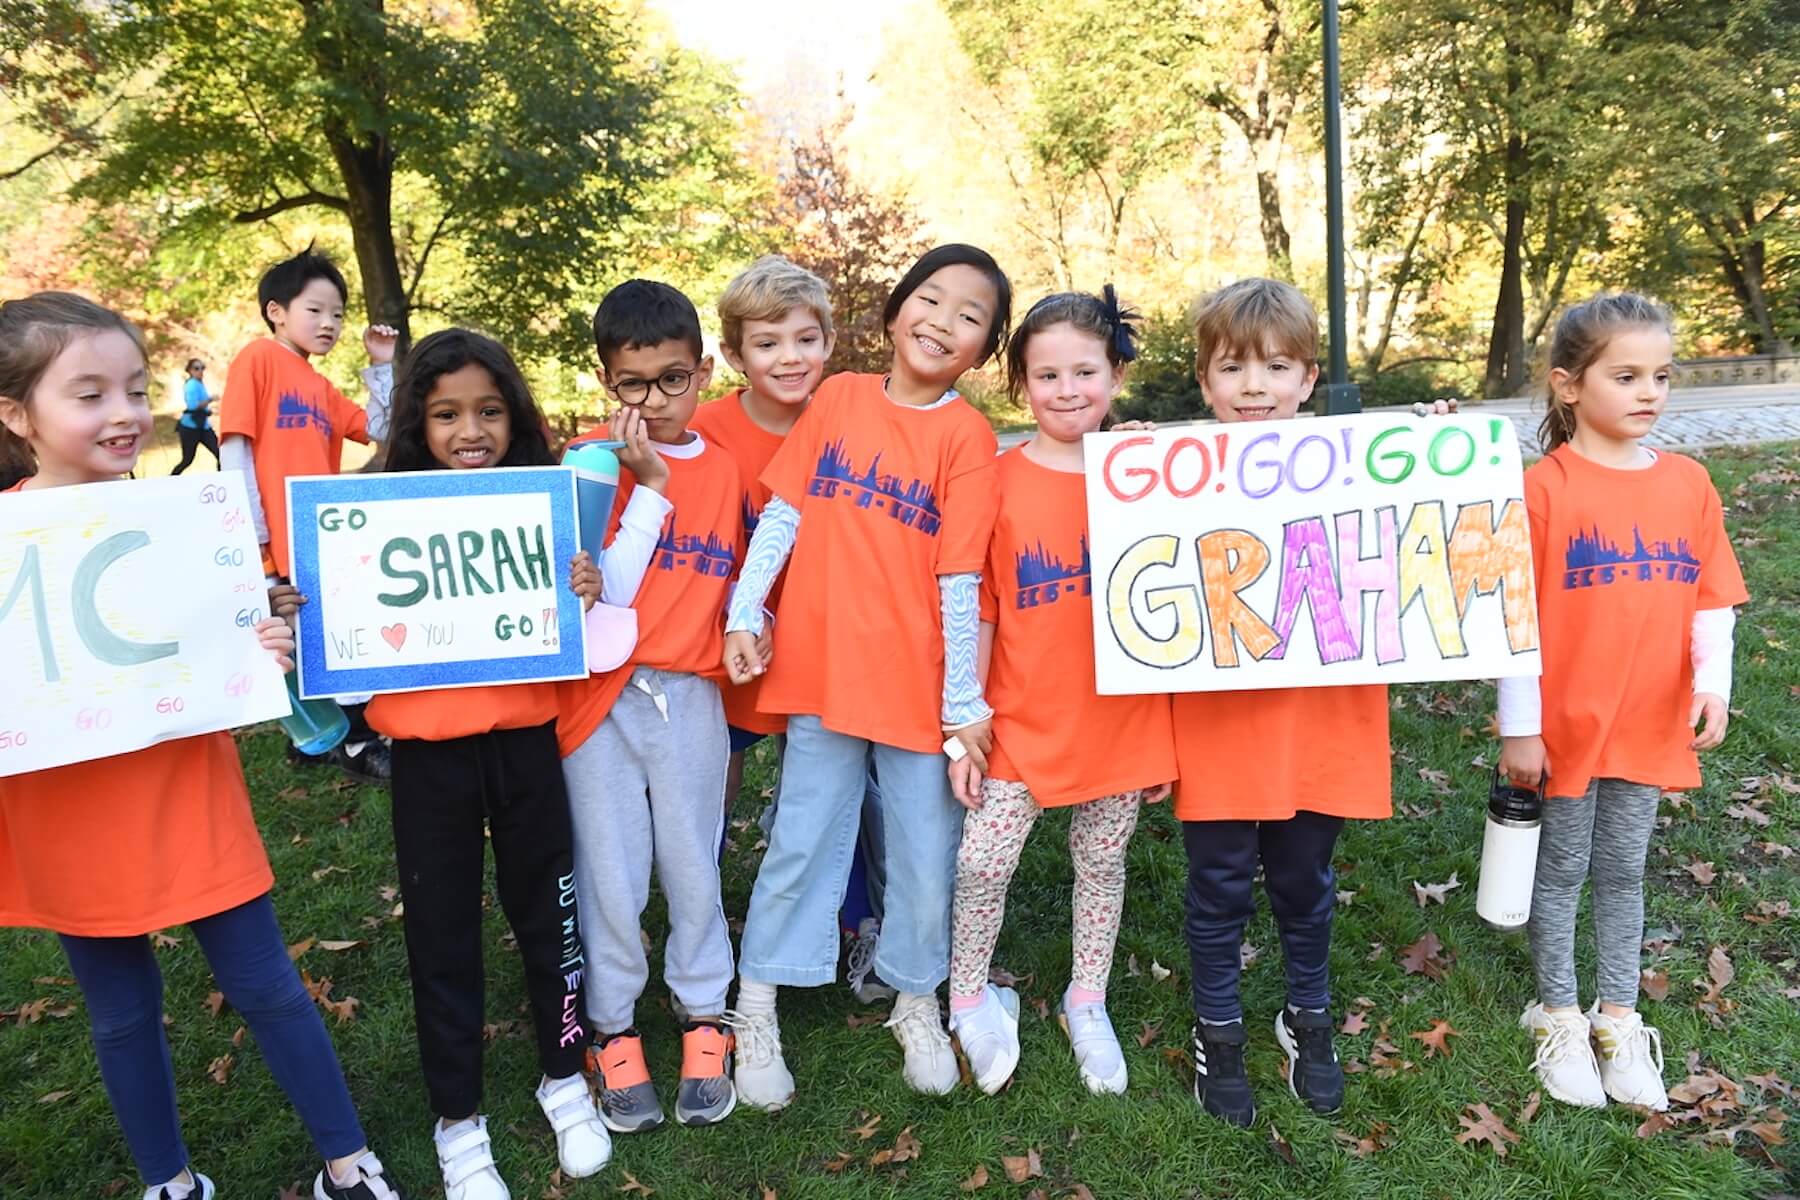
(1338, 395)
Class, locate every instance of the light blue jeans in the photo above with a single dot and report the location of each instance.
(791, 933)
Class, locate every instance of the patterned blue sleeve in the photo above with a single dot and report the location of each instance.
(963, 702)
(769, 548)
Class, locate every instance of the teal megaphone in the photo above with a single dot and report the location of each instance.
(611, 628)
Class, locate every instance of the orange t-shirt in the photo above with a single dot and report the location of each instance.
(890, 497)
(1266, 755)
(681, 603)
(1052, 731)
(725, 424)
(444, 713)
(1624, 559)
(116, 847)
(297, 419)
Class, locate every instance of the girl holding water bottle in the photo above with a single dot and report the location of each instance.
(1636, 582)
(108, 850)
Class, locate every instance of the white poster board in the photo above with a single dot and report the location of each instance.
(127, 614)
(1375, 548)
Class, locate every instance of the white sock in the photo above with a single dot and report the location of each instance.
(755, 999)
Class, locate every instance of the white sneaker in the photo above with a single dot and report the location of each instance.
(865, 985)
(989, 1034)
(1564, 1061)
(760, 1074)
(1631, 1059)
(930, 1063)
(466, 1158)
(582, 1144)
(200, 1189)
(1097, 1051)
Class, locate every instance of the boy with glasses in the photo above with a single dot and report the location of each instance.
(644, 746)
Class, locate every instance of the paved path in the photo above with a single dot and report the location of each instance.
(1695, 419)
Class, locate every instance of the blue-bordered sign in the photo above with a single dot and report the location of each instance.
(432, 579)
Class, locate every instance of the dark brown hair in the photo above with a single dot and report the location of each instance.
(1099, 316)
(33, 332)
(1582, 334)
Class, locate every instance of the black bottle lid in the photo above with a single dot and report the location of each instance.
(1509, 802)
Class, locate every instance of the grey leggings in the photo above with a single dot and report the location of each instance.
(1608, 830)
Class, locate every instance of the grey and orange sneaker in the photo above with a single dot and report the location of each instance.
(707, 1093)
(628, 1101)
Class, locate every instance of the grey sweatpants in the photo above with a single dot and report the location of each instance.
(1606, 831)
(650, 789)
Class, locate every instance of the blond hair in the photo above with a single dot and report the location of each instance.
(767, 290)
(33, 332)
(1254, 316)
(1582, 334)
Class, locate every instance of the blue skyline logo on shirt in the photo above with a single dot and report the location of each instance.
(1044, 577)
(684, 552)
(294, 411)
(911, 502)
(1593, 558)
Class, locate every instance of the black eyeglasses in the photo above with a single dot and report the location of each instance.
(635, 391)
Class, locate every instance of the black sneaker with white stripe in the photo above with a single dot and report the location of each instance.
(371, 1183)
(1221, 1084)
(1313, 1071)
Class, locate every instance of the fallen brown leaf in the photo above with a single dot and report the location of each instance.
(1482, 1124)
(1001, 977)
(344, 1010)
(300, 947)
(858, 1020)
(164, 941)
(215, 1003)
(1436, 1039)
(237, 1039)
(52, 1097)
(1531, 1107)
(906, 1146)
(1282, 1150)
(866, 1130)
(1149, 1035)
(1020, 1167)
(1702, 872)
(1654, 984)
(1426, 893)
(294, 1192)
(220, 1069)
(977, 1178)
(1364, 1146)
(339, 946)
(632, 1185)
(1426, 957)
(1354, 1022)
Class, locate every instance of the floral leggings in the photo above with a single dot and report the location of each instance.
(993, 838)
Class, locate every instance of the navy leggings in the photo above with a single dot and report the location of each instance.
(123, 988)
(1296, 860)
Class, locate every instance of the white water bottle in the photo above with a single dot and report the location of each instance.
(1509, 850)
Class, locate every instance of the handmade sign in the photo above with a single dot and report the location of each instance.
(433, 579)
(127, 615)
(1377, 548)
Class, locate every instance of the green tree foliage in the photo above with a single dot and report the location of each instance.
(1712, 184)
(858, 241)
(1161, 384)
(490, 162)
(1503, 112)
(1118, 93)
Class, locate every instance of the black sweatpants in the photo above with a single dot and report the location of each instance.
(1296, 860)
(442, 792)
(191, 441)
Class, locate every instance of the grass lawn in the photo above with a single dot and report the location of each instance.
(856, 1129)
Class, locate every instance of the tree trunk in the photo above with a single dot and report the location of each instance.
(1274, 229)
(1747, 282)
(368, 172)
(365, 160)
(1505, 374)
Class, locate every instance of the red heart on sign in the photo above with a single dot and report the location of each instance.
(394, 635)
